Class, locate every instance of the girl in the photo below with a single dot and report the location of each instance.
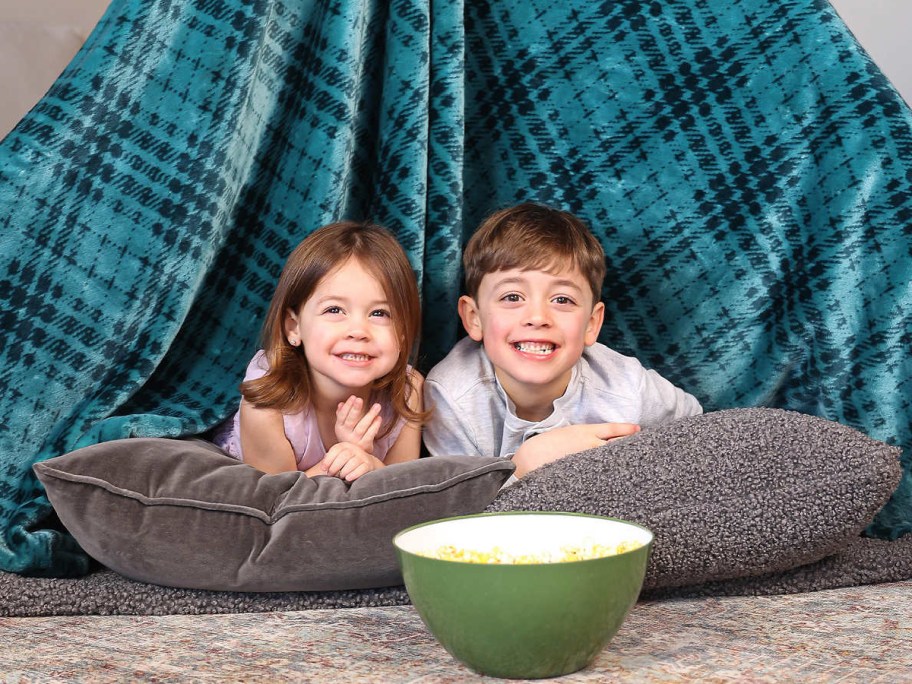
(332, 391)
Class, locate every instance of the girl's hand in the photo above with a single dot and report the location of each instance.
(356, 426)
(348, 461)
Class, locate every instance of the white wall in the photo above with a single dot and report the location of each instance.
(883, 28)
(39, 37)
(82, 13)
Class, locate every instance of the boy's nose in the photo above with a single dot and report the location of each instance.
(537, 315)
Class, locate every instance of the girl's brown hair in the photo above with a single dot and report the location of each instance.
(533, 236)
(287, 386)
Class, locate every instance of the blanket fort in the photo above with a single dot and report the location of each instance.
(745, 164)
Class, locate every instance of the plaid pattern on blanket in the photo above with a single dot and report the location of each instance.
(746, 166)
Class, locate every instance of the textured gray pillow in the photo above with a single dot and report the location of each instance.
(733, 493)
(181, 513)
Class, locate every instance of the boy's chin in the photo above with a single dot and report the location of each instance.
(535, 381)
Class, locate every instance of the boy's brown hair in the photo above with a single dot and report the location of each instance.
(533, 236)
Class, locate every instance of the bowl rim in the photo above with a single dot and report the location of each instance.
(646, 545)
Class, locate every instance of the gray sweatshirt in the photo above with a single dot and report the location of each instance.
(473, 416)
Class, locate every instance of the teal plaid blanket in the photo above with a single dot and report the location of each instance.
(746, 166)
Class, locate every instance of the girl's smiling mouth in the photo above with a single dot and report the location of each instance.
(354, 358)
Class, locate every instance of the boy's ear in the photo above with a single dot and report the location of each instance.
(471, 320)
(594, 324)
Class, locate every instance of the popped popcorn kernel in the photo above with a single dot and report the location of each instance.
(497, 555)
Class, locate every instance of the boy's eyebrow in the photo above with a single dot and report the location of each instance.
(519, 280)
(509, 281)
(568, 283)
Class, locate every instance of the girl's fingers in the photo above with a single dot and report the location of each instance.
(355, 468)
(347, 461)
(336, 458)
(347, 468)
(367, 421)
(343, 460)
(349, 412)
(329, 465)
(372, 431)
(356, 473)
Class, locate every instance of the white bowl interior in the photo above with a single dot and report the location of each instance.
(519, 533)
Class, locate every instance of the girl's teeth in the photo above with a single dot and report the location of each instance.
(534, 348)
(355, 357)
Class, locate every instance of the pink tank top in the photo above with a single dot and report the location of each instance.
(300, 428)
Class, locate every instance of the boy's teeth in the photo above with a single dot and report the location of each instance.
(355, 357)
(534, 347)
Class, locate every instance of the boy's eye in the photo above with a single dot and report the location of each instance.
(563, 299)
(510, 297)
(332, 310)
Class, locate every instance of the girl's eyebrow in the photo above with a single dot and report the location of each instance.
(346, 300)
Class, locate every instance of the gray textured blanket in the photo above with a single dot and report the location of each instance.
(103, 592)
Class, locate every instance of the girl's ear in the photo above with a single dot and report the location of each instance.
(594, 324)
(471, 319)
(292, 328)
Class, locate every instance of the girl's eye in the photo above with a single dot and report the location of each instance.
(332, 310)
(380, 313)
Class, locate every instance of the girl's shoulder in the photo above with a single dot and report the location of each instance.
(258, 366)
(416, 378)
(416, 382)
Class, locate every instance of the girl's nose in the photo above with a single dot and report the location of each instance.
(357, 330)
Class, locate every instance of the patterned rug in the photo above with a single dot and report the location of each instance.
(859, 634)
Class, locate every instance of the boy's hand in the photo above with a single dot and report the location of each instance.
(557, 443)
(355, 426)
(348, 461)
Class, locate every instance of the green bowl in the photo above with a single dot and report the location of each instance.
(523, 621)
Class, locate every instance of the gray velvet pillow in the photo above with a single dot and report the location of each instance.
(734, 493)
(181, 513)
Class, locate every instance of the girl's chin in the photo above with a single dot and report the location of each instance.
(356, 376)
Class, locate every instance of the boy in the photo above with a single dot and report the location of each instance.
(530, 382)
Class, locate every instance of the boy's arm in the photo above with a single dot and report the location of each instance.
(663, 401)
(555, 444)
(446, 433)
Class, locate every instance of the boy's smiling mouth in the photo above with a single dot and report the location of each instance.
(535, 348)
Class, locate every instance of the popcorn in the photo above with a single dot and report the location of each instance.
(498, 556)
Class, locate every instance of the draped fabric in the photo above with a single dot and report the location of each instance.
(746, 166)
